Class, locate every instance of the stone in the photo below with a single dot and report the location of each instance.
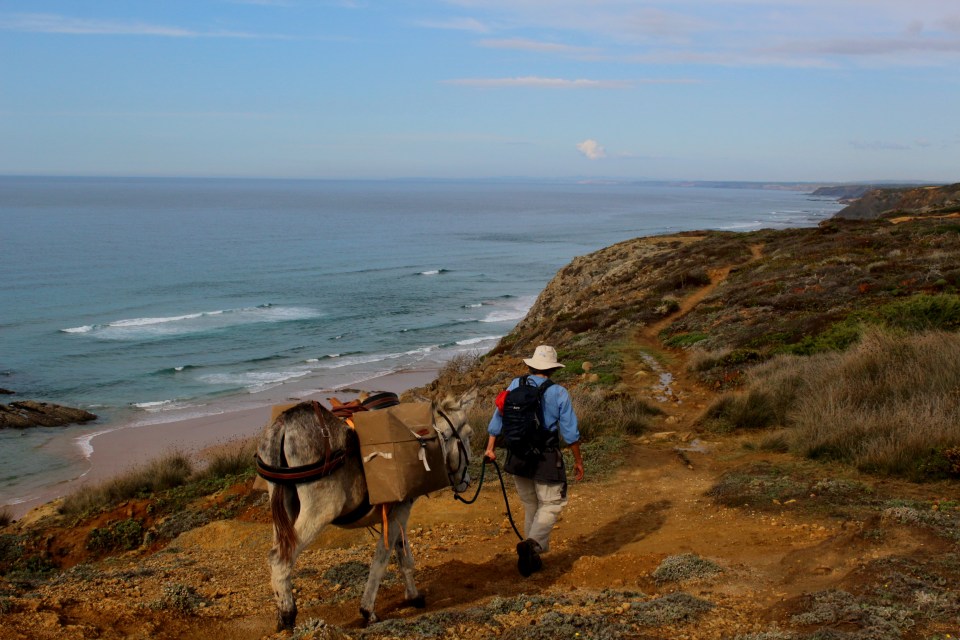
(29, 413)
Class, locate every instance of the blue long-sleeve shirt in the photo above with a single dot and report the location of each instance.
(557, 411)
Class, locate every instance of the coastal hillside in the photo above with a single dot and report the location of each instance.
(771, 427)
(876, 203)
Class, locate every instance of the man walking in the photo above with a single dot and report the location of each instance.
(537, 467)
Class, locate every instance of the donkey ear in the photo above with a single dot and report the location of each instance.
(468, 399)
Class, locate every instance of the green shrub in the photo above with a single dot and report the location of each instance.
(686, 566)
(178, 597)
(123, 535)
(922, 312)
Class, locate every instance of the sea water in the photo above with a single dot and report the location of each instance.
(152, 300)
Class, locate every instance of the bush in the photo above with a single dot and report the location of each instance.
(178, 597)
(6, 516)
(923, 312)
(686, 566)
(125, 535)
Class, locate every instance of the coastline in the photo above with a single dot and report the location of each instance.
(119, 449)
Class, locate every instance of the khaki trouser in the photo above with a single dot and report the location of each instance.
(542, 504)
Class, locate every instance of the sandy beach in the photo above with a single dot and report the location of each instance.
(119, 449)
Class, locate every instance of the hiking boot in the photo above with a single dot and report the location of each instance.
(528, 557)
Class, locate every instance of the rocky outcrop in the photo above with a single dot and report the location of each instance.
(919, 201)
(844, 192)
(28, 413)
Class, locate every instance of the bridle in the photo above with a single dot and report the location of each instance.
(463, 450)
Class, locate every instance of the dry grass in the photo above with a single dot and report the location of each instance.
(890, 404)
(230, 460)
(166, 472)
(6, 517)
(602, 413)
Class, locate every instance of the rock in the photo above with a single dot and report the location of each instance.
(662, 435)
(28, 413)
(6, 392)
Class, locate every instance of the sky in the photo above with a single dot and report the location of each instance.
(760, 90)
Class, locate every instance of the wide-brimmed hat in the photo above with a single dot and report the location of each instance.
(544, 358)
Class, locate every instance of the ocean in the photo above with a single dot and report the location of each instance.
(154, 300)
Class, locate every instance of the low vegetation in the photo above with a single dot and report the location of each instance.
(888, 405)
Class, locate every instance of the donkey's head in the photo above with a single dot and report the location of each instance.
(454, 428)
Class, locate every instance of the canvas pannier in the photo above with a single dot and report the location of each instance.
(401, 451)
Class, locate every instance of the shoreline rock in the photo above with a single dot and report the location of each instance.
(29, 413)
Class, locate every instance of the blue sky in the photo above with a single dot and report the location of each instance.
(805, 90)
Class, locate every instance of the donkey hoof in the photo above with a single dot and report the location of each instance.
(369, 617)
(286, 620)
(419, 602)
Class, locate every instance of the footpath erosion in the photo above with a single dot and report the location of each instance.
(693, 536)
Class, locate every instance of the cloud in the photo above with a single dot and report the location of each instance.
(455, 24)
(878, 145)
(592, 149)
(52, 23)
(745, 33)
(524, 44)
(541, 83)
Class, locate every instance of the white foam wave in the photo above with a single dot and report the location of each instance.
(756, 224)
(253, 381)
(153, 406)
(469, 341)
(87, 328)
(136, 328)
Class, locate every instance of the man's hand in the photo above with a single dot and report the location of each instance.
(489, 455)
(578, 470)
(577, 461)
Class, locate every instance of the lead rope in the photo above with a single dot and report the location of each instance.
(503, 489)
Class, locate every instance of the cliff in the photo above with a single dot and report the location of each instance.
(888, 202)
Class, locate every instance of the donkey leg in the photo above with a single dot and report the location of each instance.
(281, 559)
(381, 556)
(280, 572)
(315, 513)
(405, 560)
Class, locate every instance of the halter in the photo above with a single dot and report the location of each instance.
(461, 447)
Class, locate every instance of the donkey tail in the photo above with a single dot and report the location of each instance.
(282, 523)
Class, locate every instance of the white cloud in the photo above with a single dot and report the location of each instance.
(53, 23)
(542, 83)
(523, 44)
(789, 33)
(456, 24)
(592, 149)
(878, 145)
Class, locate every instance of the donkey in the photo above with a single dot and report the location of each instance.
(311, 440)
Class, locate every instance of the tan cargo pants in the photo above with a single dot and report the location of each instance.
(542, 504)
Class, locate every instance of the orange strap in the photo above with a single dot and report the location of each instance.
(385, 510)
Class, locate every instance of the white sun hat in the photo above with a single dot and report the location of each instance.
(544, 358)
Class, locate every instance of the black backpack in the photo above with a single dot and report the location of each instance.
(523, 430)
